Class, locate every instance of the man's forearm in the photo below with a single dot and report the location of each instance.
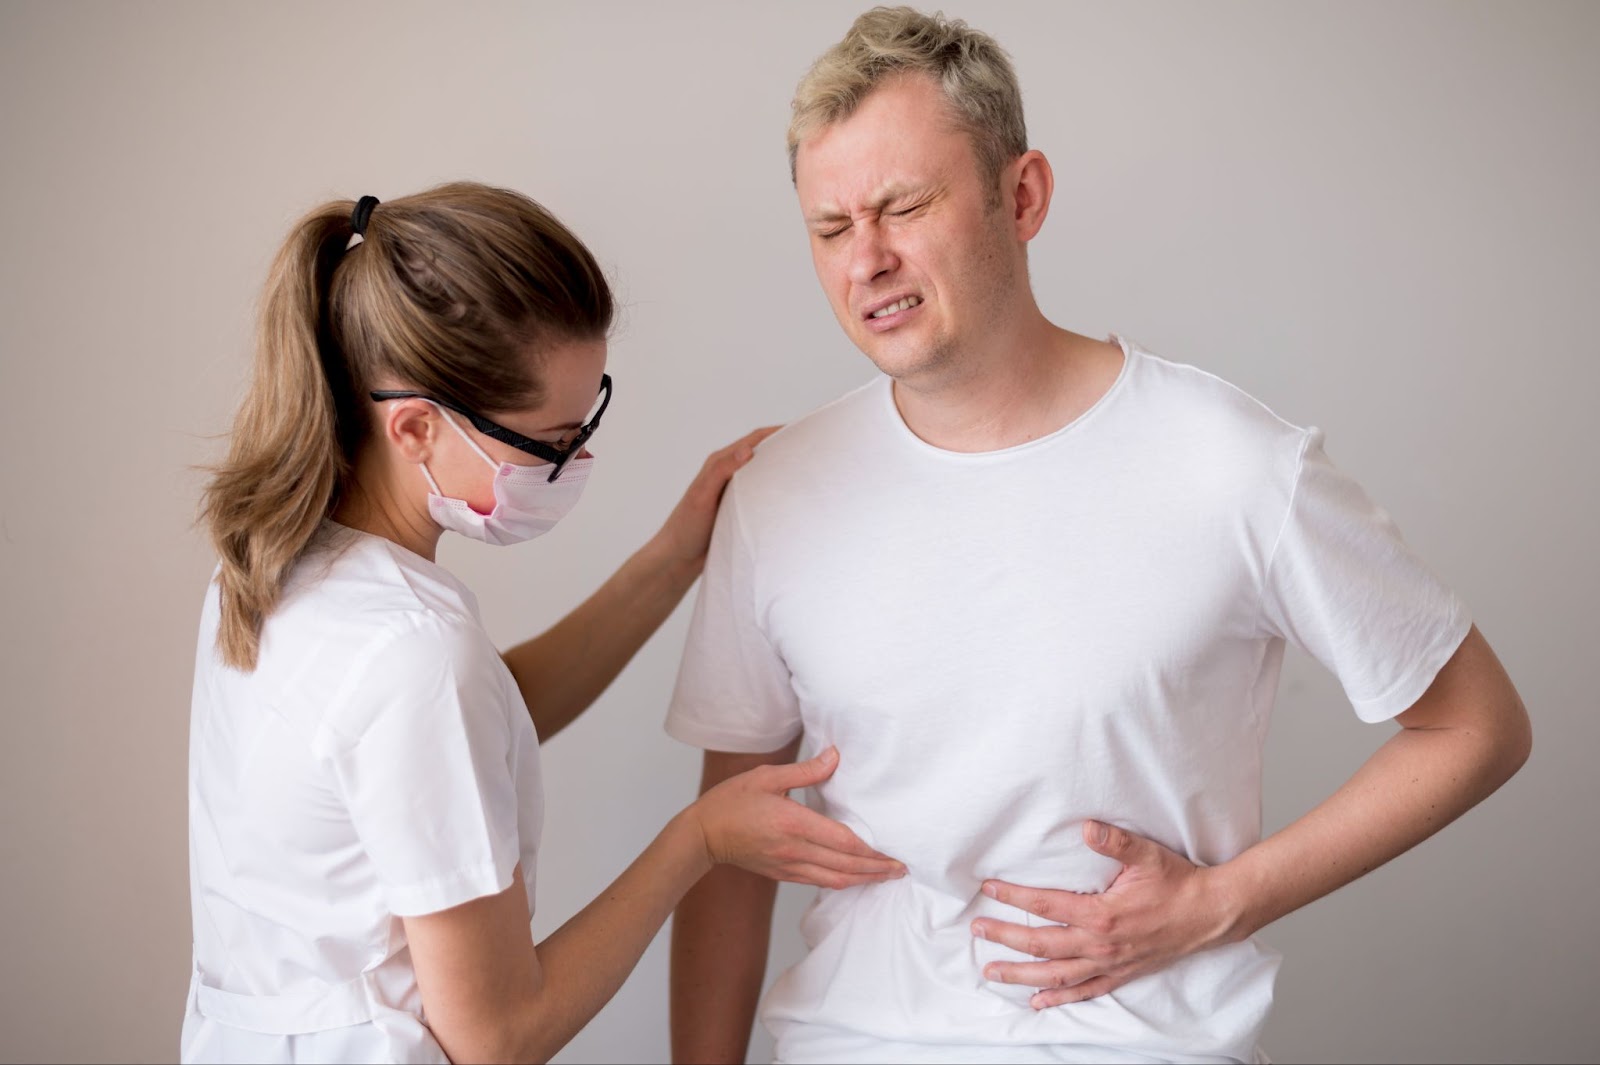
(1465, 739)
(1411, 787)
(720, 936)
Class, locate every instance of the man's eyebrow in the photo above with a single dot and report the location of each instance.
(885, 196)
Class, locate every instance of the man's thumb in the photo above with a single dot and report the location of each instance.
(1109, 840)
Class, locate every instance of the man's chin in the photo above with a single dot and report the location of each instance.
(902, 361)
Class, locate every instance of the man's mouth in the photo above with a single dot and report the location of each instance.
(902, 304)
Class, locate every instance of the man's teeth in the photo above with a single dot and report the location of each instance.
(905, 304)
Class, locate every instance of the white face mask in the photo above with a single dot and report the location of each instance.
(526, 502)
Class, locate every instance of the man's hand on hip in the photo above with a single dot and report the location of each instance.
(1161, 907)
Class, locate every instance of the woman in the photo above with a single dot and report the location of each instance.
(365, 800)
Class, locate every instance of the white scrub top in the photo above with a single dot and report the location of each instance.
(378, 763)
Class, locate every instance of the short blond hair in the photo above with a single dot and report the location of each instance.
(970, 67)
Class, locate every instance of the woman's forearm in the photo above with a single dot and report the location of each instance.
(563, 671)
(587, 959)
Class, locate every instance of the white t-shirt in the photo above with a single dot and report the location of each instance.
(1004, 644)
(378, 763)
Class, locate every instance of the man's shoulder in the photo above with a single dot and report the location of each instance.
(1189, 398)
(818, 439)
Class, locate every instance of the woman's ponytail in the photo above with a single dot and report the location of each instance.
(292, 439)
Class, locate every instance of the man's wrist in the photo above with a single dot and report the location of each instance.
(1236, 895)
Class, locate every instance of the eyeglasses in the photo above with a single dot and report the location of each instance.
(557, 456)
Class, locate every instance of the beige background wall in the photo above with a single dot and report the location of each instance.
(1379, 219)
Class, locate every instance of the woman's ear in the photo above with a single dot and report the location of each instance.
(409, 426)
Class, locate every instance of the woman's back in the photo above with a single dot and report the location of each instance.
(378, 762)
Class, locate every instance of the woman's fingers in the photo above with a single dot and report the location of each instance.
(757, 435)
(803, 774)
(750, 821)
(748, 443)
(845, 862)
(687, 533)
(821, 832)
(826, 832)
(723, 462)
(745, 446)
(822, 876)
(720, 466)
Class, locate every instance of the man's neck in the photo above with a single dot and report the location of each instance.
(1038, 380)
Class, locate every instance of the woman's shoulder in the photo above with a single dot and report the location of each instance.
(365, 579)
(366, 627)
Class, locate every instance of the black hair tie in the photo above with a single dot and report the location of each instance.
(363, 212)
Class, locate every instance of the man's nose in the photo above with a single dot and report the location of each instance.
(870, 254)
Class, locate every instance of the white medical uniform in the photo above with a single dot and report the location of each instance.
(1004, 644)
(378, 763)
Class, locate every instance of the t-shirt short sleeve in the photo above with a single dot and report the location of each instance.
(733, 692)
(1344, 586)
(427, 766)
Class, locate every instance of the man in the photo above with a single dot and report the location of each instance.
(1037, 587)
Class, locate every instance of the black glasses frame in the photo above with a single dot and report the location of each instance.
(557, 456)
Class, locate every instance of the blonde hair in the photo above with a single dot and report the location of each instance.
(970, 67)
(456, 292)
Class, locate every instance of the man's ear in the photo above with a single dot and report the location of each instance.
(1032, 184)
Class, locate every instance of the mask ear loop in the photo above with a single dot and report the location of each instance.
(473, 444)
(433, 486)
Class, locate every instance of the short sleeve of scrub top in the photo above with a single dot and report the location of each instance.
(423, 751)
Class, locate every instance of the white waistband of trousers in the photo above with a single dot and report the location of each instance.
(338, 1006)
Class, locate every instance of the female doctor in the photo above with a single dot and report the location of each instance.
(365, 799)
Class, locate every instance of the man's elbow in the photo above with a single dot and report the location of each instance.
(1518, 744)
(1503, 747)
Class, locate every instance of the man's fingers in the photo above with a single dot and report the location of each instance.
(1043, 974)
(1050, 941)
(1062, 907)
(1060, 996)
(1119, 843)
